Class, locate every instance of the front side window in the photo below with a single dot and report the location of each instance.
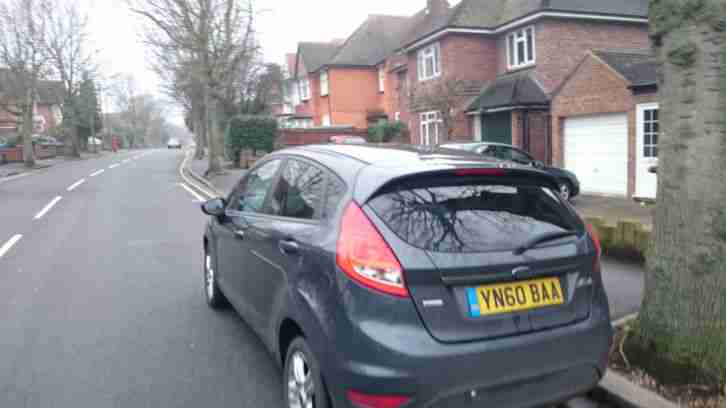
(429, 62)
(520, 48)
(324, 87)
(299, 192)
(251, 192)
(430, 128)
(650, 133)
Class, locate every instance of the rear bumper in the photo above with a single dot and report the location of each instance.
(521, 371)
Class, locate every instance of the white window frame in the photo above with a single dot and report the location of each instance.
(397, 116)
(513, 40)
(326, 120)
(324, 85)
(651, 148)
(430, 125)
(305, 89)
(429, 53)
(381, 79)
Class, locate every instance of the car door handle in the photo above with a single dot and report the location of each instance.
(240, 233)
(289, 247)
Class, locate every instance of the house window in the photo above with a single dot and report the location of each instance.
(381, 79)
(324, 88)
(305, 89)
(326, 120)
(520, 48)
(397, 116)
(650, 133)
(430, 128)
(429, 62)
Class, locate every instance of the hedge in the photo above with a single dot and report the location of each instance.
(250, 132)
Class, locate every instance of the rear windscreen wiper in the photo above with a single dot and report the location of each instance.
(548, 236)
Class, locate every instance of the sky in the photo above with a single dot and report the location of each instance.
(281, 24)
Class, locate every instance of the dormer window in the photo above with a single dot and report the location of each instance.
(520, 48)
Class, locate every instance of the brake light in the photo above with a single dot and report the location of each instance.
(598, 248)
(364, 255)
(481, 172)
(360, 400)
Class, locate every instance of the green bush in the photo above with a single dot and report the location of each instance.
(250, 132)
(384, 132)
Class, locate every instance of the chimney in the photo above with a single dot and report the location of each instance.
(437, 7)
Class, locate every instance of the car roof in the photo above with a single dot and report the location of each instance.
(368, 167)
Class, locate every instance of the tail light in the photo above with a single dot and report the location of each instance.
(364, 255)
(598, 248)
(360, 400)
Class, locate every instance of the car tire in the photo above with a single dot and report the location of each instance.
(302, 383)
(565, 190)
(214, 296)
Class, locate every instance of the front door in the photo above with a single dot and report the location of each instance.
(646, 183)
(497, 127)
(239, 238)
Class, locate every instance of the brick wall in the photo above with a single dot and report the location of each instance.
(593, 89)
(466, 57)
(562, 44)
(353, 92)
(298, 137)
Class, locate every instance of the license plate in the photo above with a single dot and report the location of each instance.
(514, 296)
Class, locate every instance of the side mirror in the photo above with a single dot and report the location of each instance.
(214, 207)
(538, 164)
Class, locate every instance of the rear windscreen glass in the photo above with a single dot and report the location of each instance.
(472, 217)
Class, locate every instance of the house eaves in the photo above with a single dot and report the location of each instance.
(527, 19)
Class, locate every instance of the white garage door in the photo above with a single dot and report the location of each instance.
(596, 150)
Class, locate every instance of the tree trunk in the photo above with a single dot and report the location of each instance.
(27, 131)
(212, 134)
(683, 316)
(75, 142)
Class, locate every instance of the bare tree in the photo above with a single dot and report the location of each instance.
(65, 46)
(22, 35)
(445, 96)
(216, 39)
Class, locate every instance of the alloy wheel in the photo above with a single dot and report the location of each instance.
(300, 382)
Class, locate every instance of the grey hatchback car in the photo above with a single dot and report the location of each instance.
(404, 276)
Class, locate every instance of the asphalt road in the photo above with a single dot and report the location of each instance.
(101, 294)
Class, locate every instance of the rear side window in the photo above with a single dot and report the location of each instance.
(299, 192)
(472, 217)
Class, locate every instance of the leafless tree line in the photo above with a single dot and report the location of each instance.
(42, 40)
(205, 51)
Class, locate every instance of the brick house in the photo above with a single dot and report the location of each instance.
(517, 53)
(346, 83)
(47, 110)
(605, 123)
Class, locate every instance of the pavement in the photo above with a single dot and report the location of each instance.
(15, 169)
(224, 181)
(101, 300)
(614, 209)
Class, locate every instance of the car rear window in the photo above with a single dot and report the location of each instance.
(472, 217)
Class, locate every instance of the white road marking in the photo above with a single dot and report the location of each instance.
(192, 192)
(11, 242)
(126, 161)
(76, 184)
(47, 208)
(96, 173)
(190, 182)
(113, 166)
